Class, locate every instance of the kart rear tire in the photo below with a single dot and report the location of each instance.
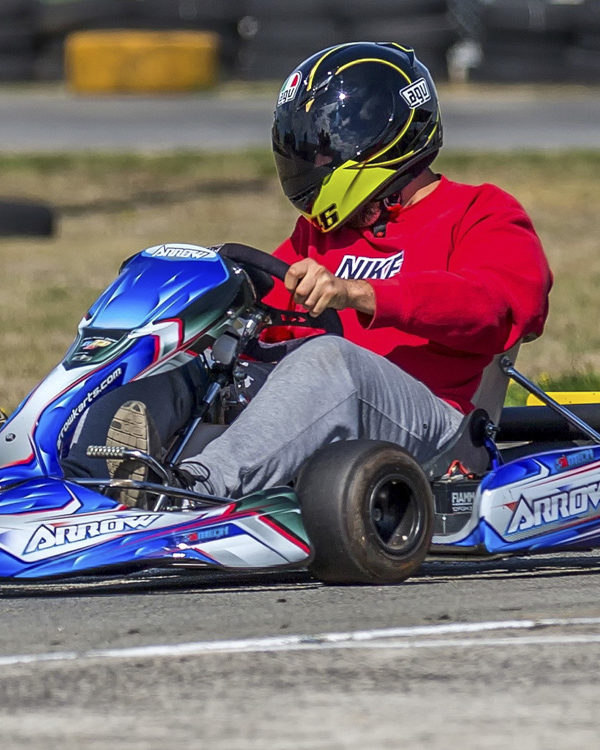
(368, 511)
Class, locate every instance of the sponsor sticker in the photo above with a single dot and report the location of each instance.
(49, 536)
(89, 397)
(89, 345)
(558, 506)
(570, 460)
(289, 88)
(207, 535)
(416, 94)
(462, 502)
(179, 252)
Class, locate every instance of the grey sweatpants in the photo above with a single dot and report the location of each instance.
(328, 389)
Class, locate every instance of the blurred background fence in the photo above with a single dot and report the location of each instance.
(473, 40)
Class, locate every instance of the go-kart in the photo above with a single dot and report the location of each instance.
(358, 512)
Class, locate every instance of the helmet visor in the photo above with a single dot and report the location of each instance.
(342, 119)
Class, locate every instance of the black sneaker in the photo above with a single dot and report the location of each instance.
(132, 427)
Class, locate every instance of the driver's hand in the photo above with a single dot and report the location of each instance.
(314, 287)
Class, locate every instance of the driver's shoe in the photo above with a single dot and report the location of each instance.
(132, 427)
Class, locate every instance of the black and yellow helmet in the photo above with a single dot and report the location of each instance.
(354, 123)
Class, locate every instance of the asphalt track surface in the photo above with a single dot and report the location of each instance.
(487, 655)
(54, 120)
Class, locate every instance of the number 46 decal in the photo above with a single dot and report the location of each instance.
(327, 218)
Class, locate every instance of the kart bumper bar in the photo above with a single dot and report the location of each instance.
(563, 424)
(525, 423)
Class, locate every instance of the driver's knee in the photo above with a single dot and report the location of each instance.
(326, 349)
(319, 359)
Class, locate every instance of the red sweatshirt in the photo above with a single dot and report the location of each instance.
(458, 277)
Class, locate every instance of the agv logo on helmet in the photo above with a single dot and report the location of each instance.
(416, 94)
(289, 88)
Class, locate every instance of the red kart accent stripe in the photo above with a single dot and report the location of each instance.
(21, 461)
(285, 533)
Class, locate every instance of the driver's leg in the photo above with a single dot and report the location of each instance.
(168, 399)
(328, 389)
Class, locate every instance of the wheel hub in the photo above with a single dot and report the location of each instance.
(394, 514)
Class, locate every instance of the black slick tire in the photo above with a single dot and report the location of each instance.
(368, 511)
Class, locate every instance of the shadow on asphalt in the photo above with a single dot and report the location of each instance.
(176, 580)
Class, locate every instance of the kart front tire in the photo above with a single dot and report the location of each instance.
(368, 511)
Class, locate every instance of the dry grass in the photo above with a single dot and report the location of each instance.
(112, 206)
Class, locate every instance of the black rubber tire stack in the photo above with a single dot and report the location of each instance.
(17, 40)
(56, 20)
(277, 35)
(525, 40)
(219, 16)
(26, 218)
(515, 40)
(425, 25)
(467, 16)
(583, 56)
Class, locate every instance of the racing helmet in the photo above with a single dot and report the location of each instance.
(354, 123)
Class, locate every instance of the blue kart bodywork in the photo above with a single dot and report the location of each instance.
(166, 308)
(549, 500)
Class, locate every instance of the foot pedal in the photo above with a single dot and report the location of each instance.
(106, 451)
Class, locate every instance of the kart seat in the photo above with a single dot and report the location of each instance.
(492, 389)
(468, 444)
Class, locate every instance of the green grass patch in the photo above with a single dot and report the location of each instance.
(569, 381)
(258, 162)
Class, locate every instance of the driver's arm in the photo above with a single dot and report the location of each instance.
(315, 288)
(312, 285)
(493, 292)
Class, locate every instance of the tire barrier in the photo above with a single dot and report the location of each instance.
(26, 218)
(57, 19)
(17, 39)
(514, 40)
(132, 61)
(276, 36)
(583, 55)
(535, 40)
(425, 25)
(221, 17)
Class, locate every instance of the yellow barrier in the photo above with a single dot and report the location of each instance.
(140, 61)
(567, 397)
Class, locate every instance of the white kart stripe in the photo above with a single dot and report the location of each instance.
(395, 638)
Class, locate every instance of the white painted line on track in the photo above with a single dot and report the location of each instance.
(412, 637)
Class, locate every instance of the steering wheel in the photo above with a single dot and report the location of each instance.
(262, 269)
